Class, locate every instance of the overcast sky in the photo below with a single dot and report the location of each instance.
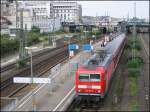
(115, 8)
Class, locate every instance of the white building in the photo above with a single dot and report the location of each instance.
(9, 12)
(4, 25)
(40, 14)
(27, 21)
(67, 11)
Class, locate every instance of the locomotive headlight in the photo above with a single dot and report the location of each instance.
(79, 90)
(96, 87)
(82, 86)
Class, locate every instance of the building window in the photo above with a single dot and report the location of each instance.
(64, 16)
(61, 15)
(57, 15)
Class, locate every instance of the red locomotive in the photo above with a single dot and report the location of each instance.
(93, 77)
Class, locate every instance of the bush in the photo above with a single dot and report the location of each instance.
(130, 55)
(35, 29)
(133, 72)
(33, 38)
(133, 86)
(133, 44)
(134, 63)
(21, 63)
(8, 45)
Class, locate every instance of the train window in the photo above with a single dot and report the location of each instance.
(84, 77)
(94, 77)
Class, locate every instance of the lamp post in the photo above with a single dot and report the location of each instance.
(68, 36)
(30, 50)
(85, 33)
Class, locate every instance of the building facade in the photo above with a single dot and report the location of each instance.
(67, 11)
(41, 15)
(4, 25)
(47, 15)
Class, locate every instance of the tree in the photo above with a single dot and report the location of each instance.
(35, 29)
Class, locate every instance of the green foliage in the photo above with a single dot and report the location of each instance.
(129, 54)
(96, 33)
(21, 63)
(133, 72)
(133, 44)
(8, 44)
(35, 29)
(134, 63)
(32, 38)
(43, 38)
(60, 31)
(133, 86)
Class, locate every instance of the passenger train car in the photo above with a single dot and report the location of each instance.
(93, 77)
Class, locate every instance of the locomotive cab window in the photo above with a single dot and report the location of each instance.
(89, 77)
(84, 77)
(94, 77)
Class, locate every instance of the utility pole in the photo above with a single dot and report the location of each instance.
(21, 37)
(25, 39)
(20, 32)
(17, 18)
(53, 17)
(134, 32)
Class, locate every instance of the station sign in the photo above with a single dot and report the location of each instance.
(29, 80)
(87, 47)
(73, 47)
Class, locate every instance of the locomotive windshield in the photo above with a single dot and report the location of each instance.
(89, 77)
(94, 77)
(84, 77)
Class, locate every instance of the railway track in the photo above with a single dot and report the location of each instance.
(38, 67)
(11, 89)
(7, 67)
(8, 89)
(145, 72)
(85, 105)
(145, 43)
(35, 56)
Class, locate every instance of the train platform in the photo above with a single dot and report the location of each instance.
(57, 95)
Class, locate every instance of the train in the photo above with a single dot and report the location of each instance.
(93, 77)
